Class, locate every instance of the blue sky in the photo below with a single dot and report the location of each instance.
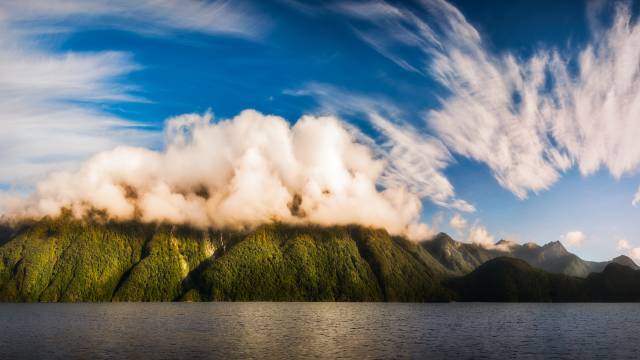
(111, 75)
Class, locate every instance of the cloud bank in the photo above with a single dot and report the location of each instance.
(236, 173)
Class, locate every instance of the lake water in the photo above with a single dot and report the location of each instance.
(319, 330)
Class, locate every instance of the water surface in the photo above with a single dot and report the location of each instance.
(319, 330)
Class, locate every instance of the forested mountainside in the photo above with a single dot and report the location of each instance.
(71, 260)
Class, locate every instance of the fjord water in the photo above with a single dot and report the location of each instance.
(319, 330)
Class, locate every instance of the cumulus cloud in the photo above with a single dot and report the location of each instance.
(573, 238)
(479, 235)
(414, 160)
(241, 172)
(528, 119)
(623, 244)
(458, 223)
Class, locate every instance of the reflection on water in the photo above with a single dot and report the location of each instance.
(319, 330)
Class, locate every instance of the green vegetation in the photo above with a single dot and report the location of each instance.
(513, 280)
(71, 260)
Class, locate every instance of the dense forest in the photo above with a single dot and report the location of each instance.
(71, 260)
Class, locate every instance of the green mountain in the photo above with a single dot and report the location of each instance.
(462, 258)
(70, 260)
(513, 280)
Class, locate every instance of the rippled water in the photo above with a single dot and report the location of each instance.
(319, 330)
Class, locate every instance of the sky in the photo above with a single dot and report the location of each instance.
(486, 120)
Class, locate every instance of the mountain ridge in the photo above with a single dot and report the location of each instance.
(69, 260)
(462, 258)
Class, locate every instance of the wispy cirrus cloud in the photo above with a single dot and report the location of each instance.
(144, 16)
(528, 119)
(49, 108)
(52, 102)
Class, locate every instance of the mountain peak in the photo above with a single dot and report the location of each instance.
(443, 237)
(555, 246)
(625, 260)
(505, 242)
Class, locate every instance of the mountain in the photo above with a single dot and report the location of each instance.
(512, 280)
(509, 279)
(459, 258)
(70, 260)
(462, 258)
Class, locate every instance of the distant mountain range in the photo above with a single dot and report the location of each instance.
(509, 279)
(462, 258)
(70, 260)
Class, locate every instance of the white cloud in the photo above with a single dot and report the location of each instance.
(573, 238)
(144, 16)
(636, 198)
(49, 108)
(528, 119)
(635, 254)
(52, 102)
(458, 223)
(414, 160)
(623, 244)
(241, 172)
(479, 235)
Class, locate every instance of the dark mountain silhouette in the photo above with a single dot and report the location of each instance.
(512, 280)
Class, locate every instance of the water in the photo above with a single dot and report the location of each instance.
(319, 330)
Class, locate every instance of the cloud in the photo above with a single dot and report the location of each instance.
(414, 160)
(52, 103)
(49, 108)
(528, 119)
(143, 16)
(573, 238)
(635, 254)
(237, 173)
(458, 223)
(623, 244)
(636, 198)
(479, 235)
